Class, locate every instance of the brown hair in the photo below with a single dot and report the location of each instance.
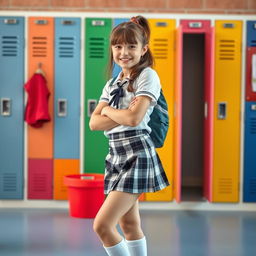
(137, 29)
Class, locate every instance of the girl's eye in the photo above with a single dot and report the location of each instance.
(132, 46)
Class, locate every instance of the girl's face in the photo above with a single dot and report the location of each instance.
(128, 55)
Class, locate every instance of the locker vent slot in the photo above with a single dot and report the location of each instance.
(225, 186)
(39, 182)
(160, 48)
(253, 125)
(227, 49)
(66, 47)
(10, 182)
(39, 46)
(253, 186)
(96, 48)
(9, 46)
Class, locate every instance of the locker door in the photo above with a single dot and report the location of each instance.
(11, 100)
(96, 61)
(251, 33)
(116, 22)
(249, 188)
(40, 179)
(40, 140)
(226, 156)
(40, 50)
(249, 193)
(67, 102)
(63, 167)
(162, 47)
(178, 115)
(208, 112)
(67, 88)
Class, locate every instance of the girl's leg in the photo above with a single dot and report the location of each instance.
(115, 206)
(131, 226)
(130, 223)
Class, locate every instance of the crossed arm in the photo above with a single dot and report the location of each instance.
(105, 117)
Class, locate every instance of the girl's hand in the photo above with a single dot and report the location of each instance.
(133, 102)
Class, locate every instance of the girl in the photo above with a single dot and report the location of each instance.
(132, 164)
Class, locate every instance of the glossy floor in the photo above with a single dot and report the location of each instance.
(48, 232)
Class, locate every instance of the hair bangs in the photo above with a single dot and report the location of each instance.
(124, 36)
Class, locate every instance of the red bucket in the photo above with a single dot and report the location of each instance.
(85, 194)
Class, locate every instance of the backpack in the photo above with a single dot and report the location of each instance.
(159, 120)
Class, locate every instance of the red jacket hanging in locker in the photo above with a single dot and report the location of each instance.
(37, 112)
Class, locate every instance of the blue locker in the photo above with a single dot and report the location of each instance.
(249, 193)
(67, 88)
(116, 22)
(11, 109)
(251, 33)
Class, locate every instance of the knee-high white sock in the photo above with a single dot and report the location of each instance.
(119, 249)
(137, 247)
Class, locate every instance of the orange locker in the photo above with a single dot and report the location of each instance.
(63, 167)
(40, 52)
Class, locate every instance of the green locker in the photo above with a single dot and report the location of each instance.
(97, 32)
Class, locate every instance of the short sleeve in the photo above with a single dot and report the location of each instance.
(148, 84)
(105, 93)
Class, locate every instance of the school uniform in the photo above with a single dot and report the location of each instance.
(132, 164)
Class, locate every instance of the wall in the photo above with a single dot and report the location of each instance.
(155, 6)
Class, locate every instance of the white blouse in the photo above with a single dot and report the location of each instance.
(147, 84)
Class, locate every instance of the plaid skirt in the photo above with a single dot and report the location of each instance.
(132, 164)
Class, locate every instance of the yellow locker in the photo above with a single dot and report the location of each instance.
(162, 47)
(63, 167)
(226, 141)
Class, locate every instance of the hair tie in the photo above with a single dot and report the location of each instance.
(134, 20)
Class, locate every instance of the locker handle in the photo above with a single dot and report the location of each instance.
(222, 110)
(5, 107)
(205, 110)
(62, 107)
(91, 105)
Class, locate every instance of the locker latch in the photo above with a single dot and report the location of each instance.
(222, 110)
(5, 106)
(253, 107)
(91, 106)
(62, 107)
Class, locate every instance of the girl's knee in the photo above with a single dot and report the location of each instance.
(129, 226)
(101, 227)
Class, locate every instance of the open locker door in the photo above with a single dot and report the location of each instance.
(178, 116)
(208, 112)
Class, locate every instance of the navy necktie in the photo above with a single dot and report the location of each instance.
(117, 93)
